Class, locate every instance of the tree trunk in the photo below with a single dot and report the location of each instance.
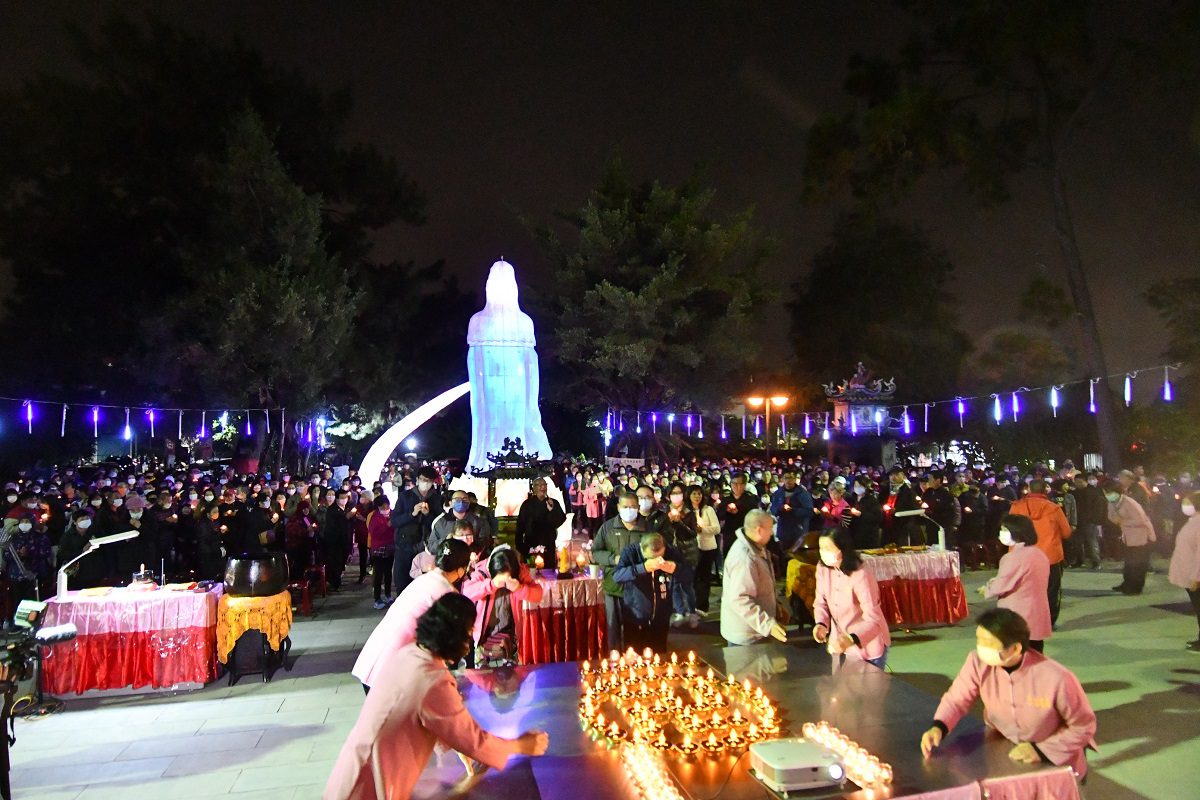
(1093, 351)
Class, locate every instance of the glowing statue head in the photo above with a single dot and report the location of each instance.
(501, 322)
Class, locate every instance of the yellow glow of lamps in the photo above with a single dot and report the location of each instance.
(779, 400)
(754, 402)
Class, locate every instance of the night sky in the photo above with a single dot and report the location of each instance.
(497, 109)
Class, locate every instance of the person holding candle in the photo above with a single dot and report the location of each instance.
(1035, 702)
(708, 531)
(750, 607)
(1024, 575)
(647, 571)
(849, 618)
(792, 505)
(733, 509)
(682, 526)
(611, 540)
(416, 704)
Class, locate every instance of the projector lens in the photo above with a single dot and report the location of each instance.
(836, 772)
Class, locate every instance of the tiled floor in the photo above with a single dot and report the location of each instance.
(277, 741)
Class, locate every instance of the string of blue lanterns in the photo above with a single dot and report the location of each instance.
(884, 418)
(312, 431)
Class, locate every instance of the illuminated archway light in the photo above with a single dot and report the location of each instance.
(376, 457)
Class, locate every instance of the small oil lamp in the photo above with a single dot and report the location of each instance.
(712, 746)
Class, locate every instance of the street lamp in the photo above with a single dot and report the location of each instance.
(776, 401)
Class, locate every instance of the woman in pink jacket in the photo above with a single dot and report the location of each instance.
(1137, 534)
(1185, 561)
(399, 626)
(1036, 703)
(847, 610)
(499, 589)
(415, 704)
(1023, 577)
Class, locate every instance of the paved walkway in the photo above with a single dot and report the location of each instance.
(276, 741)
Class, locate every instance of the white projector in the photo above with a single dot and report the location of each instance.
(786, 765)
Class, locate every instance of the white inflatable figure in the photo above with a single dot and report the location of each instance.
(502, 369)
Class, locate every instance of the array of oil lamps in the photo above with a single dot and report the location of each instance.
(862, 767)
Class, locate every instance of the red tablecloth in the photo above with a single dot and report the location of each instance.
(919, 588)
(568, 624)
(132, 639)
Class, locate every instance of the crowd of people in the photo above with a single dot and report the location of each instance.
(668, 537)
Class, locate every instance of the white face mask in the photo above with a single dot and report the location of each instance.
(97, 503)
(645, 504)
(989, 656)
(83, 524)
(831, 560)
(1188, 509)
(25, 527)
(1006, 537)
(12, 498)
(860, 490)
(628, 514)
(676, 499)
(135, 514)
(1092, 482)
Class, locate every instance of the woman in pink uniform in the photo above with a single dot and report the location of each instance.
(1023, 577)
(847, 610)
(399, 625)
(499, 588)
(1185, 560)
(1036, 703)
(414, 703)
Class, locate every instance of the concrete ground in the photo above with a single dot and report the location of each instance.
(275, 741)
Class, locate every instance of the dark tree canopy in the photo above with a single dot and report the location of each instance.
(879, 294)
(655, 299)
(107, 193)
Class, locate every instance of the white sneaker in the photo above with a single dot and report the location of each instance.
(693, 620)
(677, 620)
(380, 605)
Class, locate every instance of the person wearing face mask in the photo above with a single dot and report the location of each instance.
(398, 627)
(131, 554)
(612, 538)
(1091, 512)
(538, 521)
(1021, 584)
(647, 570)
(9, 501)
(750, 607)
(866, 514)
(1137, 534)
(848, 614)
(33, 548)
(733, 509)
(443, 526)
(90, 571)
(412, 519)
(1184, 571)
(337, 537)
(1033, 701)
(792, 505)
(413, 705)
(684, 533)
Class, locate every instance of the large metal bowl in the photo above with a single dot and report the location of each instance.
(256, 576)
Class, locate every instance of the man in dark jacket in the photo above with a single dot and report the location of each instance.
(337, 537)
(792, 506)
(538, 521)
(898, 530)
(941, 507)
(1091, 512)
(647, 572)
(732, 510)
(866, 514)
(412, 518)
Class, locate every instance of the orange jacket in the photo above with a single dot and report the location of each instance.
(1048, 520)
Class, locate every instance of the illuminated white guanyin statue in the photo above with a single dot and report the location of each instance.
(502, 369)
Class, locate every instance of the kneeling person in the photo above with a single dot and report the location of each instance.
(1034, 701)
(647, 572)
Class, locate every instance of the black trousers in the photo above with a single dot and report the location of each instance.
(1054, 591)
(1137, 564)
(1195, 598)
(383, 575)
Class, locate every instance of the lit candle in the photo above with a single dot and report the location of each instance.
(539, 562)
(674, 658)
(587, 667)
(692, 657)
(647, 654)
(746, 685)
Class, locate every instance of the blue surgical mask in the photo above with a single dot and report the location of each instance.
(461, 506)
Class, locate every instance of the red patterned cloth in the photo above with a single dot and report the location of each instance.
(919, 588)
(567, 624)
(132, 639)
